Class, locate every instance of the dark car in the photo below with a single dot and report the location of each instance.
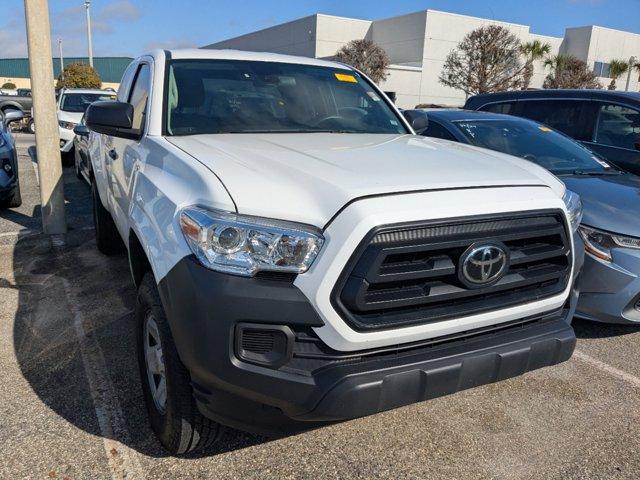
(608, 122)
(82, 161)
(9, 182)
(610, 280)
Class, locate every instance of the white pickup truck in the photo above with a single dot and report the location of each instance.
(302, 257)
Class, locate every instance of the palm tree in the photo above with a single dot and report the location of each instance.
(557, 62)
(616, 68)
(637, 67)
(532, 51)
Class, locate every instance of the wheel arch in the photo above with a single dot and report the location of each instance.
(139, 263)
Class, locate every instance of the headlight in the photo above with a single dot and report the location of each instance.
(67, 125)
(243, 245)
(574, 208)
(599, 243)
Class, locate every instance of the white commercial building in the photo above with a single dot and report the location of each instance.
(418, 44)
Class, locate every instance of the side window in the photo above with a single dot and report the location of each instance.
(125, 83)
(563, 115)
(139, 96)
(618, 126)
(507, 108)
(436, 130)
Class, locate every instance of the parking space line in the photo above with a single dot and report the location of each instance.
(605, 367)
(123, 461)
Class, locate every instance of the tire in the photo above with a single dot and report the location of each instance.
(68, 158)
(14, 200)
(107, 237)
(176, 421)
(32, 126)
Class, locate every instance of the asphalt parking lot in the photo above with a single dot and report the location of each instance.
(71, 406)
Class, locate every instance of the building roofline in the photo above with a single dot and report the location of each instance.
(593, 27)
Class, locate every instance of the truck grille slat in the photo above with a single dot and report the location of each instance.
(403, 275)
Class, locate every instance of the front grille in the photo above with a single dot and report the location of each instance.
(403, 275)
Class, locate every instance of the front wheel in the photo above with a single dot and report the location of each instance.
(166, 383)
(14, 199)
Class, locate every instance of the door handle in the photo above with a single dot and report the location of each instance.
(113, 155)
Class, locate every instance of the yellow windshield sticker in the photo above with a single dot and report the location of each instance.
(544, 129)
(343, 77)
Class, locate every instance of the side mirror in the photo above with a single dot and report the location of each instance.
(13, 116)
(81, 130)
(111, 118)
(417, 119)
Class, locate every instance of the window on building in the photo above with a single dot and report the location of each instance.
(618, 126)
(601, 69)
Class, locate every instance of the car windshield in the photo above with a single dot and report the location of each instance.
(78, 102)
(534, 142)
(231, 96)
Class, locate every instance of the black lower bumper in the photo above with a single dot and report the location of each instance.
(321, 385)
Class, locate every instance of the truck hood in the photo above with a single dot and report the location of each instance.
(308, 177)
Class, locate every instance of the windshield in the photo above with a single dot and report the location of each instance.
(78, 102)
(534, 142)
(231, 96)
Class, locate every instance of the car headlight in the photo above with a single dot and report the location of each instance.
(574, 208)
(67, 125)
(599, 243)
(244, 245)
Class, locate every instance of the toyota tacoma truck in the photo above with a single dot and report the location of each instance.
(302, 257)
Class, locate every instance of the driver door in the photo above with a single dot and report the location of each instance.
(123, 155)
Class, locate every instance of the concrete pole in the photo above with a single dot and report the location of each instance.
(44, 108)
(61, 59)
(632, 62)
(87, 5)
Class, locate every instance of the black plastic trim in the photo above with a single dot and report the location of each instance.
(353, 261)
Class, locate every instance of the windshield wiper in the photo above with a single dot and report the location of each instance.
(596, 173)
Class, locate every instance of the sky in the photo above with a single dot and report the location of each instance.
(132, 27)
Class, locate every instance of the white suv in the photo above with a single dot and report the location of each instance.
(72, 103)
(302, 257)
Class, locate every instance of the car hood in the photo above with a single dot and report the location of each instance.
(610, 202)
(74, 117)
(309, 177)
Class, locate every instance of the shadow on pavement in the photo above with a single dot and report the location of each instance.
(588, 329)
(57, 290)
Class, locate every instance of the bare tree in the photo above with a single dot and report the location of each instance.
(616, 69)
(486, 60)
(532, 51)
(568, 71)
(367, 56)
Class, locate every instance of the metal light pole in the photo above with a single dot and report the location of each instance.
(44, 108)
(61, 59)
(632, 62)
(87, 5)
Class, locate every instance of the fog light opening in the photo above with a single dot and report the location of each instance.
(267, 345)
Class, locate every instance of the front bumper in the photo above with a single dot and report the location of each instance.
(611, 291)
(320, 384)
(66, 139)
